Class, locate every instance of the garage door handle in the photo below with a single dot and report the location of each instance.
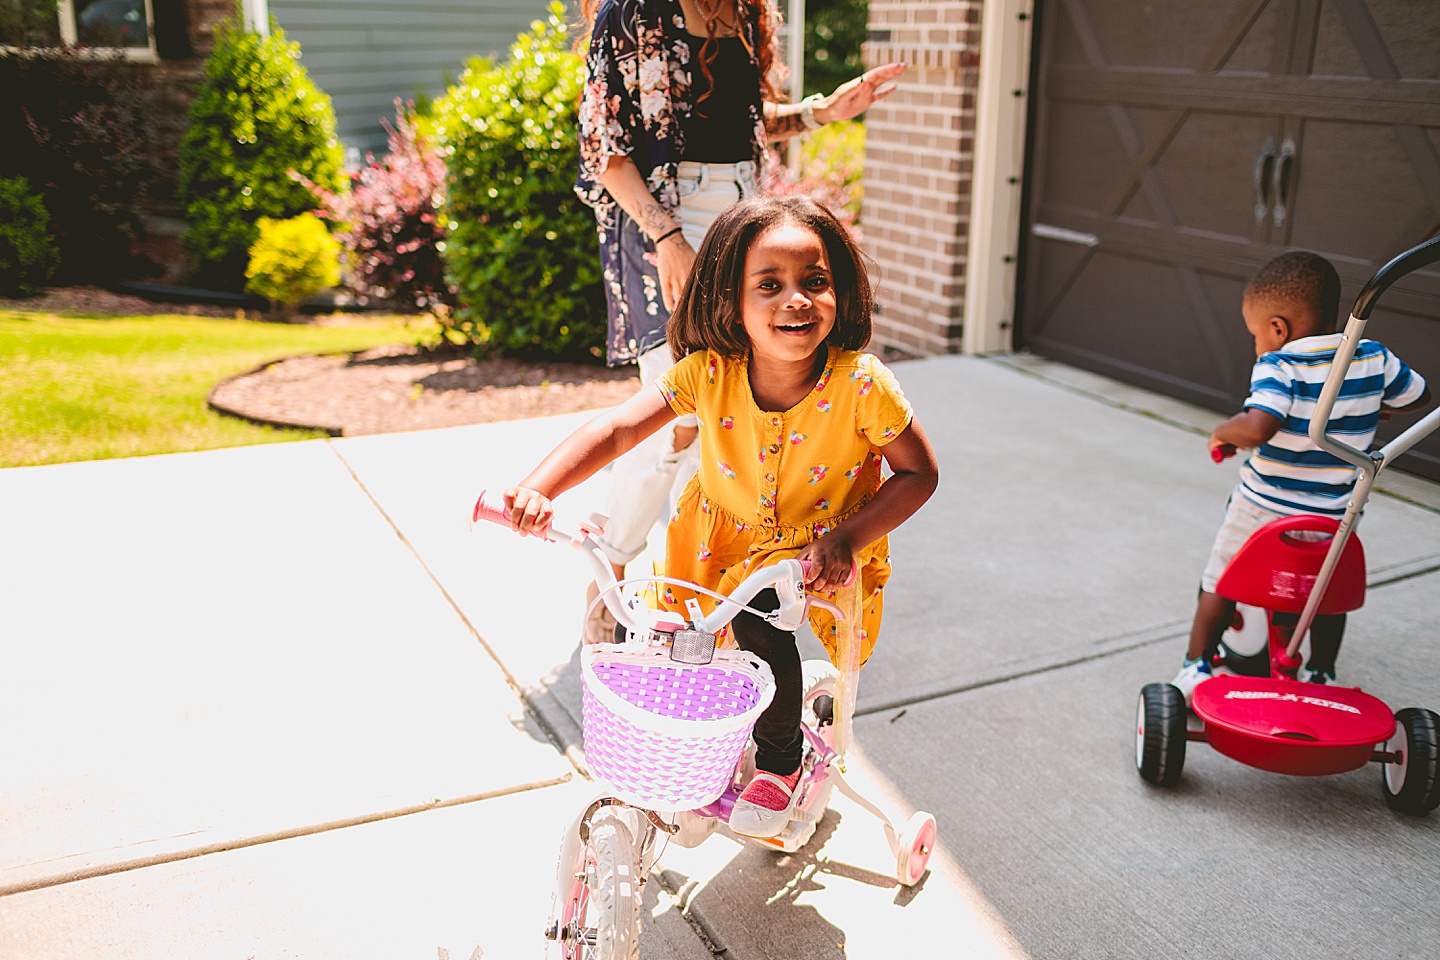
(1283, 165)
(1264, 171)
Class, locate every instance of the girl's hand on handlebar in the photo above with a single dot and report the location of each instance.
(831, 563)
(530, 511)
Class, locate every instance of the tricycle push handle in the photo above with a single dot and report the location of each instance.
(1369, 463)
(1408, 262)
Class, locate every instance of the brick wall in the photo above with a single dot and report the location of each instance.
(174, 82)
(918, 164)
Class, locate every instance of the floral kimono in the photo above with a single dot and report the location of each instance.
(637, 93)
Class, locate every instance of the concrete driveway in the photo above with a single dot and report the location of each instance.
(277, 701)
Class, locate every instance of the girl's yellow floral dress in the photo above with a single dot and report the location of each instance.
(771, 482)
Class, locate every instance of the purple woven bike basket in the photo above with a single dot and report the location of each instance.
(665, 735)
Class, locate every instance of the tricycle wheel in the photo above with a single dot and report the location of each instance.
(1160, 734)
(1412, 783)
(916, 844)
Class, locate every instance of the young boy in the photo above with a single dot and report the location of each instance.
(1290, 308)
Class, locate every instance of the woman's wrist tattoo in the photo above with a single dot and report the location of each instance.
(654, 219)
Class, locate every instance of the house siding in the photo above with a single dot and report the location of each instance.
(366, 54)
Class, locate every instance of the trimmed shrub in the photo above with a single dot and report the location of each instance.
(522, 253)
(27, 253)
(257, 117)
(79, 129)
(292, 259)
(389, 222)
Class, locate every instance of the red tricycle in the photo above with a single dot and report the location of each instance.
(1310, 566)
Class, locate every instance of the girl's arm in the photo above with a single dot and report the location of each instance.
(850, 99)
(581, 455)
(915, 477)
(674, 256)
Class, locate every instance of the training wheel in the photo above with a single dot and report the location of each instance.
(914, 848)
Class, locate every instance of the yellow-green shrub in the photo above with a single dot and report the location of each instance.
(292, 259)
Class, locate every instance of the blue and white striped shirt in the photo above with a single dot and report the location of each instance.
(1289, 474)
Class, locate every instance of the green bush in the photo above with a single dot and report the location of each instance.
(522, 254)
(257, 117)
(834, 30)
(27, 253)
(29, 23)
(292, 259)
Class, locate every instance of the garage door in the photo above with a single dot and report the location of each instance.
(1177, 146)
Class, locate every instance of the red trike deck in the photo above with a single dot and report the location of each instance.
(1290, 727)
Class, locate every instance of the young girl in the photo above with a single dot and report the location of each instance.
(793, 422)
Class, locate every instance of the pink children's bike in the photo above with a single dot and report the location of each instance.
(666, 719)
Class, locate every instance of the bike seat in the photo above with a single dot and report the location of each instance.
(1277, 567)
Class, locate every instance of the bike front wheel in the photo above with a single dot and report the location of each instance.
(600, 919)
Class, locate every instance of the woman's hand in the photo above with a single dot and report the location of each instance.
(854, 97)
(673, 258)
(530, 511)
(831, 561)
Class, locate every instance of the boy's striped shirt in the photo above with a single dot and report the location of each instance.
(1289, 474)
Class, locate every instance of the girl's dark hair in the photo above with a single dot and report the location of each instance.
(707, 317)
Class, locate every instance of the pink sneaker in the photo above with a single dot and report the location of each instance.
(765, 806)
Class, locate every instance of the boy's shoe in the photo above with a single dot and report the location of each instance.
(765, 806)
(1192, 673)
(1315, 676)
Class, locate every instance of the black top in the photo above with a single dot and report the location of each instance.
(719, 128)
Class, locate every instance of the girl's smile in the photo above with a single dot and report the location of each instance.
(788, 304)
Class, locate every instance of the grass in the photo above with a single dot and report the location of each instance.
(93, 388)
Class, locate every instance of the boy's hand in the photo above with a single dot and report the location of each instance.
(530, 511)
(1221, 451)
(832, 563)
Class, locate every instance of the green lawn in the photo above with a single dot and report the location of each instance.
(84, 388)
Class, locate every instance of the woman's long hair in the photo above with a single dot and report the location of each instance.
(766, 40)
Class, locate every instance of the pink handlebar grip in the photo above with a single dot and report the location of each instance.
(1223, 452)
(806, 563)
(488, 510)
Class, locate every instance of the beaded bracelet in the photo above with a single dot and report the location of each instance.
(807, 112)
(665, 236)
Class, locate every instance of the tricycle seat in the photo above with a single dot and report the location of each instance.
(1277, 567)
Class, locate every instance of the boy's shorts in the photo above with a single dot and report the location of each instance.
(1243, 517)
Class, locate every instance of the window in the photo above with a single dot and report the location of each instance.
(123, 25)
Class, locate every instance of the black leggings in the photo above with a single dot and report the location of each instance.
(778, 737)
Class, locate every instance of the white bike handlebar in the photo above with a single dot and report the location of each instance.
(787, 577)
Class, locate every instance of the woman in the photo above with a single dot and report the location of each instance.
(678, 105)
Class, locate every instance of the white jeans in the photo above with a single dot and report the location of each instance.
(646, 480)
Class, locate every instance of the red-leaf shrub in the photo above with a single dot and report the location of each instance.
(78, 128)
(389, 222)
(832, 163)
